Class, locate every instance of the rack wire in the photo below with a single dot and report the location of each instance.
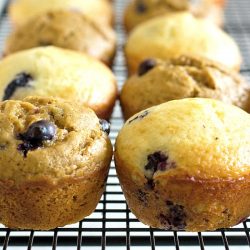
(112, 225)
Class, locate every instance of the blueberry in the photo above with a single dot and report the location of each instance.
(105, 126)
(150, 185)
(139, 117)
(37, 133)
(176, 217)
(142, 196)
(21, 80)
(157, 161)
(140, 6)
(164, 220)
(26, 146)
(146, 66)
(40, 131)
(169, 203)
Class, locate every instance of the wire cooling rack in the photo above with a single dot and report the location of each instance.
(112, 226)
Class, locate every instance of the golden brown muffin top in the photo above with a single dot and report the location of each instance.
(177, 34)
(160, 81)
(51, 71)
(139, 11)
(198, 139)
(22, 11)
(67, 29)
(46, 138)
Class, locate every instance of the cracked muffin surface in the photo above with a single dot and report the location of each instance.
(139, 11)
(179, 34)
(158, 81)
(51, 71)
(21, 11)
(60, 177)
(183, 164)
(67, 29)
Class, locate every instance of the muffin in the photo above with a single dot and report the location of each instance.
(177, 34)
(51, 71)
(185, 164)
(139, 11)
(67, 29)
(159, 81)
(21, 11)
(212, 10)
(57, 157)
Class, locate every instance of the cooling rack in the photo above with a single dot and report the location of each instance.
(112, 226)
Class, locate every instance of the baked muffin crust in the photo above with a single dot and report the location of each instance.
(66, 29)
(177, 34)
(139, 11)
(158, 81)
(51, 71)
(185, 164)
(21, 11)
(61, 180)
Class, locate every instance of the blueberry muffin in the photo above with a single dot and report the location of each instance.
(177, 34)
(54, 161)
(67, 29)
(21, 11)
(51, 71)
(159, 81)
(185, 164)
(139, 11)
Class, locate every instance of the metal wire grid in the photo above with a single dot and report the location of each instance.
(112, 226)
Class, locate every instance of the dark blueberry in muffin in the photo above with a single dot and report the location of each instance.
(169, 203)
(26, 146)
(142, 196)
(150, 185)
(40, 131)
(164, 220)
(105, 126)
(21, 80)
(37, 133)
(157, 161)
(176, 217)
(146, 66)
(139, 117)
(140, 7)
